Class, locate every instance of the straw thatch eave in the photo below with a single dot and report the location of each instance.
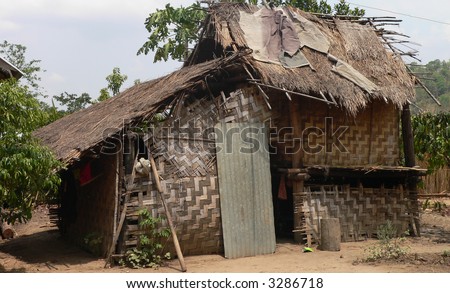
(357, 44)
(75, 135)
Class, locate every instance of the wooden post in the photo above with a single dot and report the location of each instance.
(410, 161)
(330, 234)
(166, 209)
(297, 162)
(116, 193)
(408, 138)
(7, 231)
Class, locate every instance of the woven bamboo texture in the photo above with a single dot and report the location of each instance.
(194, 205)
(360, 210)
(186, 144)
(371, 137)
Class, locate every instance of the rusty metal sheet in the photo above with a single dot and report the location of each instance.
(245, 189)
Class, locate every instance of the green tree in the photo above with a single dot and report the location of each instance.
(104, 95)
(73, 102)
(27, 170)
(51, 112)
(436, 77)
(432, 139)
(115, 80)
(172, 29)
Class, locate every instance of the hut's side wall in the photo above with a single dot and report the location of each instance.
(360, 210)
(333, 138)
(88, 210)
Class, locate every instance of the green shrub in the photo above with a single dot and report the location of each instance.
(148, 253)
(388, 247)
(93, 243)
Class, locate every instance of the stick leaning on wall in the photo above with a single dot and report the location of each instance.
(169, 217)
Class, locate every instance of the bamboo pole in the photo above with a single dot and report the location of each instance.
(424, 87)
(408, 149)
(297, 162)
(169, 217)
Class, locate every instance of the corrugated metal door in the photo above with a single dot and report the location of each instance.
(245, 189)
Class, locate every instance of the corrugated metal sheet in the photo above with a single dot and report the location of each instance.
(245, 189)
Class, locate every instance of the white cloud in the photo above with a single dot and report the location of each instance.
(56, 78)
(85, 9)
(8, 26)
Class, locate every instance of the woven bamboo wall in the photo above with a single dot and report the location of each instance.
(372, 136)
(360, 210)
(186, 143)
(195, 209)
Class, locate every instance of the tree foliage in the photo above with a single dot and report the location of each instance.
(73, 102)
(27, 170)
(172, 29)
(104, 95)
(436, 76)
(176, 28)
(432, 139)
(115, 80)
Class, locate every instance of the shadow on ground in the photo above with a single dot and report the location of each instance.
(45, 247)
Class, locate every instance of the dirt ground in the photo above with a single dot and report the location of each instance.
(39, 248)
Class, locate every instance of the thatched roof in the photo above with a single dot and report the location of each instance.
(356, 43)
(72, 136)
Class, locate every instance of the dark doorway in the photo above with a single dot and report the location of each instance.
(283, 206)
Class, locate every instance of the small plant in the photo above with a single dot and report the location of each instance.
(446, 253)
(426, 204)
(149, 249)
(438, 206)
(388, 247)
(386, 232)
(93, 243)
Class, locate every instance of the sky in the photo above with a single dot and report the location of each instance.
(79, 42)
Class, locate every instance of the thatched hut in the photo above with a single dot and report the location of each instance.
(279, 119)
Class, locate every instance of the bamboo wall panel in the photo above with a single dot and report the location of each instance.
(186, 144)
(360, 210)
(195, 208)
(369, 138)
